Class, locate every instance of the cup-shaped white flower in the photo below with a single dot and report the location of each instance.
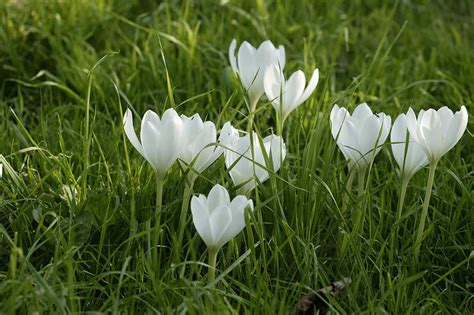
(359, 136)
(251, 63)
(161, 139)
(437, 131)
(284, 95)
(246, 165)
(218, 219)
(161, 144)
(408, 154)
(197, 150)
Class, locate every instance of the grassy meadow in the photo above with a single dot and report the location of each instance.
(73, 185)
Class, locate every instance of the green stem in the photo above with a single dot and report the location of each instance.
(253, 105)
(401, 202)
(360, 182)
(212, 264)
(188, 189)
(359, 211)
(156, 230)
(345, 199)
(424, 211)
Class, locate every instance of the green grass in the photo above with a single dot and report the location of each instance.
(63, 253)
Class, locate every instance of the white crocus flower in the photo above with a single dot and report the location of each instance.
(410, 160)
(437, 131)
(161, 139)
(244, 170)
(218, 220)
(360, 135)
(251, 63)
(286, 96)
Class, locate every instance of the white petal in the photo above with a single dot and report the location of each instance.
(246, 60)
(348, 141)
(456, 128)
(281, 57)
(218, 196)
(313, 82)
(412, 125)
(338, 117)
(237, 209)
(293, 90)
(431, 130)
(272, 82)
(361, 113)
(233, 61)
(228, 135)
(220, 221)
(445, 115)
(130, 131)
(201, 220)
(370, 137)
(171, 139)
(150, 137)
(399, 134)
(276, 149)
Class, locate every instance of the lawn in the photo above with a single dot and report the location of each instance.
(78, 202)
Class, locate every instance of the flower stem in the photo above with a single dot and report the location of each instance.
(359, 213)
(401, 202)
(253, 105)
(426, 204)
(347, 192)
(188, 189)
(212, 264)
(156, 230)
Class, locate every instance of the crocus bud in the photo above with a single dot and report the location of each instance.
(437, 131)
(361, 135)
(216, 218)
(286, 96)
(251, 63)
(161, 139)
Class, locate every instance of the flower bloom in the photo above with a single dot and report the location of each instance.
(251, 63)
(216, 218)
(359, 134)
(238, 157)
(291, 92)
(437, 131)
(161, 139)
(410, 160)
(198, 137)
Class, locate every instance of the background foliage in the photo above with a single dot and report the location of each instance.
(72, 181)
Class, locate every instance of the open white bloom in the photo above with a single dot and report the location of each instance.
(238, 157)
(216, 218)
(437, 131)
(361, 135)
(410, 160)
(251, 63)
(161, 139)
(198, 137)
(292, 92)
